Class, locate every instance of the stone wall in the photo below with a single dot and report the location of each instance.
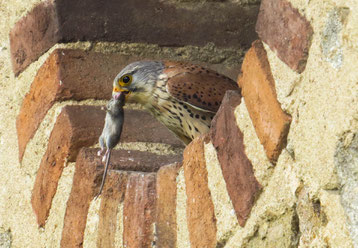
(277, 169)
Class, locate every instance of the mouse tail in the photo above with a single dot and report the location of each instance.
(108, 157)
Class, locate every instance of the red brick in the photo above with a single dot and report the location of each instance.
(237, 170)
(200, 208)
(169, 25)
(113, 194)
(70, 133)
(139, 196)
(37, 102)
(286, 31)
(166, 225)
(141, 161)
(34, 34)
(76, 75)
(66, 74)
(139, 210)
(258, 89)
(85, 185)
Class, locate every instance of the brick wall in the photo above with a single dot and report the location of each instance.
(275, 170)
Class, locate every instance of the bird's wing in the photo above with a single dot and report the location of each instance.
(198, 86)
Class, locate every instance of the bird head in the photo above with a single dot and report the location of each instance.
(137, 80)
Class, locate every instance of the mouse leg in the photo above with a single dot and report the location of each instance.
(106, 157)
(102, 145)
(100, 152)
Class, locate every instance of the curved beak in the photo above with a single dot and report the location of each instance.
(118, 91)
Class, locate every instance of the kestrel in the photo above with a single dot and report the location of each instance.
(184, 97)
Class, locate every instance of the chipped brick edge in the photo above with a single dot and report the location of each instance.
(271, 123)
(166, 222)
(227, 138)
(200, 207)
(286, 31)
(69, 134)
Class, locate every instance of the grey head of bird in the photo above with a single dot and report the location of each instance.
(137, 81)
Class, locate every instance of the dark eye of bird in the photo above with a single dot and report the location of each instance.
(126, 79)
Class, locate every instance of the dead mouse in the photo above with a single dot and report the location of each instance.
(111, 132)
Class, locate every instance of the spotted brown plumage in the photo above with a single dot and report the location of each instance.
(182, 96)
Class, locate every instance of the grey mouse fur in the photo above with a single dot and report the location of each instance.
(111, 132)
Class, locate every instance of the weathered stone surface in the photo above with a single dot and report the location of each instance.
(6, 238)
(332, 37)
(258, 89)
(227, 138)
(79, 75)
(200, 208)
(70, 133)
(139, 210)
(277, 231)
(166, 224)
(113, 194)
(169, 25)
(346, 162)
(338, 231)
(273, 221)
(311, 218)
(224, 209)
(286, 31)
(182, 231)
